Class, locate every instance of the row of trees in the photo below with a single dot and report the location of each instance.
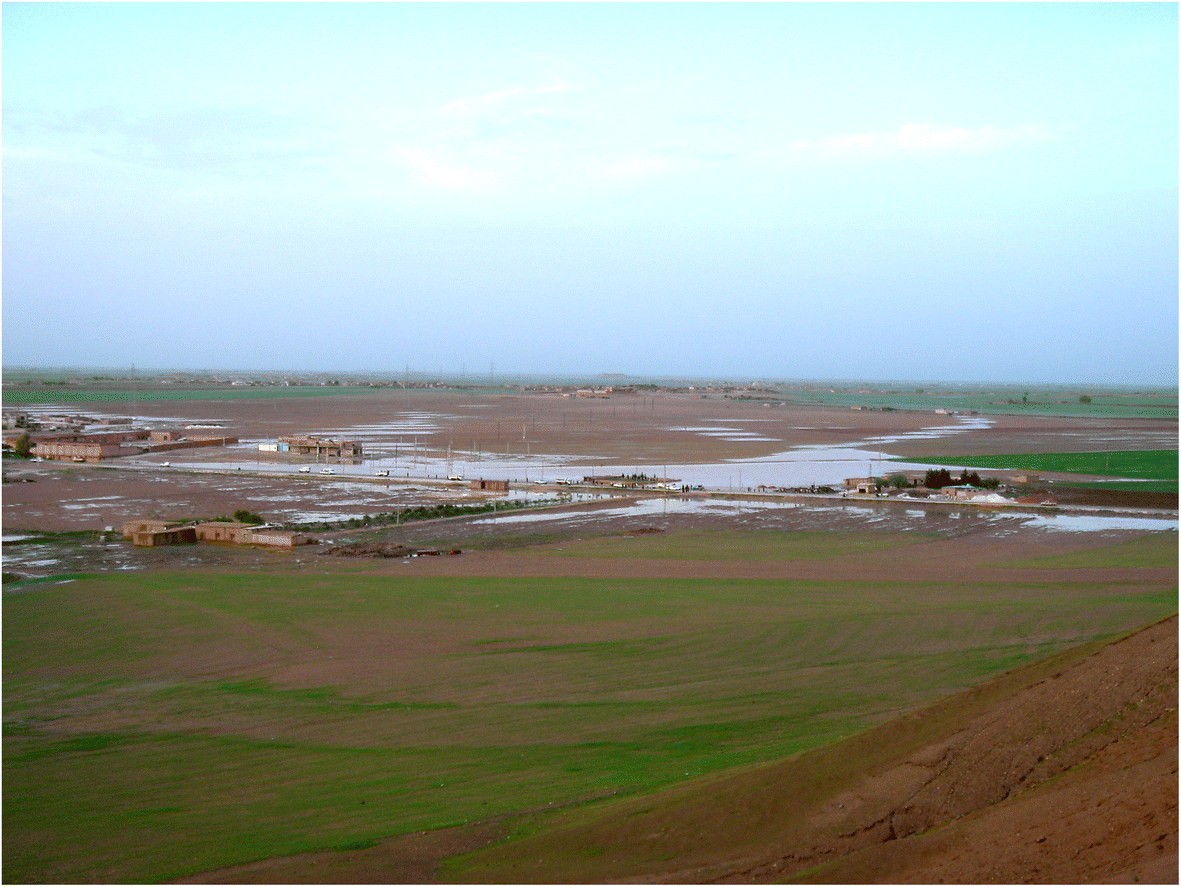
(938, 478)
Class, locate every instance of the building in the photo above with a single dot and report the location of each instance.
(857, 483)
(95, 437)
(130, 528)
(960, 491)
(245, 534)
(490, 486)
(276, 538)
(968, 493)
(309, 446)
(80, 452)
(223, 531)
(149, 534)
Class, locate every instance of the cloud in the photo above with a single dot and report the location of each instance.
(228, 140)
(916, 138)
(634, 169)
(480, 103)
(433, 171)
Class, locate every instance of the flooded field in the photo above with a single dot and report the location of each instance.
(423, 448)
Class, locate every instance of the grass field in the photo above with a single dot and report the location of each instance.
(163, 724)
(1055, 401)
(1153, 470)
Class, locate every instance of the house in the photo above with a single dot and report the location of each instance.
(275, 538)
(961, 491)
(223, 531)
(862, 484)
(308, 446)
(149, 534)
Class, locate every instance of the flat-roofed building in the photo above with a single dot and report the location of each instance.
(316, 446)
(490, 486)
(81, 452)
(275, 538)
(170, 536)
(150, 533)
(222, 531)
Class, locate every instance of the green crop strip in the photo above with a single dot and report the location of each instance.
(1142, 464)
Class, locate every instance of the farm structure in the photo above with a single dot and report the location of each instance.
(78, 452)
(490, 486)
(967, 493)
(96, 446)
(862, 484)
(149, 534)
(246, 534)
(107, 438)
(307, 446)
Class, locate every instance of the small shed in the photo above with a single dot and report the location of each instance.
(490, 486)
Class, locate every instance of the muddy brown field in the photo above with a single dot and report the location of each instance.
(639, 429)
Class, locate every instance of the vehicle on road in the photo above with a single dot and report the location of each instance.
(328, 471)
(305, 470)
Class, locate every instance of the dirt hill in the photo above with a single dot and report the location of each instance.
(1064, 771)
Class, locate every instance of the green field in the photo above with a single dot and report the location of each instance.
(1051, 401)
(158, 725)
(1152, 470)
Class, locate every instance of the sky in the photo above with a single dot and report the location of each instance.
(976, 192)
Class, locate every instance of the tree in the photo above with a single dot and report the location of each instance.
(243, 516)
(937, 479)
(897, 481)
(23, 446)
(1084, 398)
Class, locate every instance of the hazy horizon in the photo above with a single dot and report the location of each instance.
(984, 193)
(475, 378)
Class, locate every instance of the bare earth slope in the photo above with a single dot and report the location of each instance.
(1062, 772)
(1073, 779)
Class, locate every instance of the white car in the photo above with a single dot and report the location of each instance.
(455, 477)
(305, 470)
(328, 471)
(384, 472)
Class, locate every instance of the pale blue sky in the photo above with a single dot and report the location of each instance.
(904, 191)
